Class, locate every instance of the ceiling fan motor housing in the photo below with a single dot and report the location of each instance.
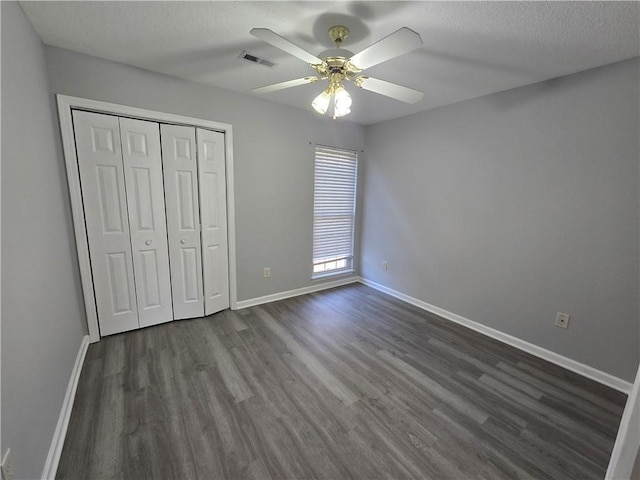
(336, 65)
(336, 62)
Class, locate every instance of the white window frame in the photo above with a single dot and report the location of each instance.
(339, 256)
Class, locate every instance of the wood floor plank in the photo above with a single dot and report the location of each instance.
(544, 411)
(320, 371)
(228, 370)
(435, 388)
(87, 397)
(239, 324)
(473, 436)
(456, 352)
(608, 411)
(256, 471)
(107, 446)
(346, 383)
(587, 392)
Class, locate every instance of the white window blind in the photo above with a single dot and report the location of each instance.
(334, 204)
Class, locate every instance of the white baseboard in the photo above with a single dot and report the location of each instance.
(628, 439)
(577, 367)
(294, 293)
(51, 465)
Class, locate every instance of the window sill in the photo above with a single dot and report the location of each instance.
(335, 273)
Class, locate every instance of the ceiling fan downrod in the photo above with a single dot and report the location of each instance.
(338, 33)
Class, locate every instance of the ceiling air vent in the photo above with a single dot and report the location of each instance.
(250, 57)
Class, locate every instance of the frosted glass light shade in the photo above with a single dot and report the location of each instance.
(341, 113)
(342, 102)
(321, 103)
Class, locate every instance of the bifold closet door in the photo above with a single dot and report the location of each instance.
(213, 210)
(183, 219)
(156, 214)
(145, 200)
(103, 194)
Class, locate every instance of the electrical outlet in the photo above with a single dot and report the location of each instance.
(7, 468)
(267, 272)
(562, 320)
(384, 265)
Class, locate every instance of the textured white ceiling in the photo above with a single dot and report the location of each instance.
(470, 48)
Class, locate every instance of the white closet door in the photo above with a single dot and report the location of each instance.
(213, 210)
(145, 201)
(103, 194)
(183, 219)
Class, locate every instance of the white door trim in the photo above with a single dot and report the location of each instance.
(65, 105)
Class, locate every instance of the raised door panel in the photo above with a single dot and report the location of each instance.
(183, 219)
(145, 201)
(103, 195)
(213, 195)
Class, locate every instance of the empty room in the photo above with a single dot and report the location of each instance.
(320, 240)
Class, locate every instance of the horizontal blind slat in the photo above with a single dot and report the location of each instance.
(335, 179)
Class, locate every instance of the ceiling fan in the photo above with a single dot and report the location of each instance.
(338, 65)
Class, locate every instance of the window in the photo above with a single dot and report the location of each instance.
(334, 209)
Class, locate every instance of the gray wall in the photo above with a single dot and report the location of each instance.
(511, 207)
(504, 209)
(273, 160)
(42, 310)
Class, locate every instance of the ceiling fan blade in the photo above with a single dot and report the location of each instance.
(282, 43)
(393, 90)
(398, 43)
(282, 85)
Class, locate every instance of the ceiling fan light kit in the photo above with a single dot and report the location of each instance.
(321, 103)
(341, 101)
(340, 65)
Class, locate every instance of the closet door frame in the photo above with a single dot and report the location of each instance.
(65, 106)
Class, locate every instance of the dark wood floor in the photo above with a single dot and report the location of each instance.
(345, 383)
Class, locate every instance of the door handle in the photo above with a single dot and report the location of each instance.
(183, 241)
(148, 242)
